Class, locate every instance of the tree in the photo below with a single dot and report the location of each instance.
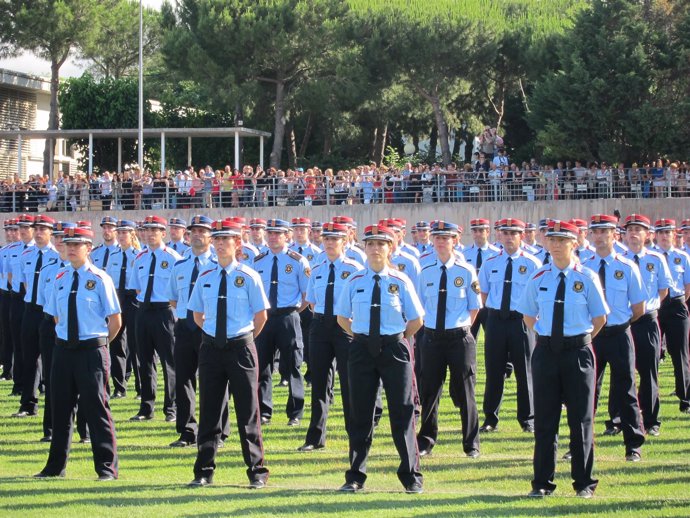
(51, 29)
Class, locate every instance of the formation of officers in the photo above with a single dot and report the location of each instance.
(224, 303)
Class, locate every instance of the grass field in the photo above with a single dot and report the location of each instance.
(153, 476)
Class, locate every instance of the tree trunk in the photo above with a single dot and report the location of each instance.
(307, 136)
(291, 144)
(53, 118)
(442, 129)
(372, 148)
(381, 139)
(327, 139)
(433, 141)
(278, 125)
(456, 143)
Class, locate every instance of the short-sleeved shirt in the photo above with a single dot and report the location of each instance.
(181, 279)
(407, 264)
(179, 246)
(492, 280)
(679, 266)
(655, 276)
(293, 276)
(14, 263)
(114, 268)
(46, 282)
(318, 282)
(97, 255)
(471, 253)
(165, 260)
(29, 259)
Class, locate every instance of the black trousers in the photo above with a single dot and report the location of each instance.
(82, 374)
(454, 351)
(283, 333)
(7, 347)
(121, 345)
(561, 377)
(235, 369)
(130, 308)
(675, 326)
(305, 318)
(393, 366)
(328, 342)
(479, 321)
(15, 325)
(31, 353)
(617, 351)
(504, 338)
(154, 330)
(646, 339)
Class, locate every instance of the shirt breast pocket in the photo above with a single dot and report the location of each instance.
(89, 300)
(619, 295)
(391, 300)
(361, 303)
(238, 299)
(457, 299)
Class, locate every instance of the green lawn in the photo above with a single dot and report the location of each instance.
(153, 476)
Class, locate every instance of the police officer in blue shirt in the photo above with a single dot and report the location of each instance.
(543, 255)
(625, 296)
(155, 319)
(422, 241)
(529, 242)
(584, 250)
(563, 369)
(123, 347)
(80, 358)
(502, 279)
(380, 308)
(449, 292)
(656, 280)
(352, 249)
(257, 234)
(673, 312)
(284, 274)
(402, 244)
(177, 228)
(229, 305)
(100, 255)
(685, 231)
(329, 341)
(11, 238)
(400, 257)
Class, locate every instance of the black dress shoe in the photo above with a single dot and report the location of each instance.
(170, 418)
(633, 456)
(200, 482)
(181, 443)
(654, 431)
(105, 478)
(43, 474)
(528, 428)
(584, 493)
(119, 395)
(414, 489)
(24, 413)
(539, 493)
(140, 417)
(294, 421)
(487, 428)
(612, 430)
(45, 438)
(568, 455)
(351, 487)
(424, 452)
(257, 484)
(310, 447)
(265, 420)
(473, 454)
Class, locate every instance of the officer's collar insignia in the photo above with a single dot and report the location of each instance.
(288, 268)
(239, 281)
(522, 269)
(393, 288)
(578, 287)
(676, 260)
(475, 286)
(650, 267)
(618, 275)
(459, 281)
(165, 264)
(90, 284)
(401, 267)
(344, 275)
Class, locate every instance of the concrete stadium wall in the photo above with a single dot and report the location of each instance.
(677, 208)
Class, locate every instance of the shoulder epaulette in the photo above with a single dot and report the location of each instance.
(294, 255)
(27, 251)
(491, 258)
(430, 265)
(62, 273)
(97, 247)
(260, 256)
(356, 276)
(180, 261)
(142, 253)
(207, 271)
(349, 261)
(539, 274)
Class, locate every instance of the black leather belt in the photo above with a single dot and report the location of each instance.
(668, 301)
(320, 317)
(237, 341)
(458, 332)
(33, 306)
(92, 343)
(281, 311)
(614, 330)
(385, 339)
(569, 342)
(512, 315)
(651, 316)
(129, 294)
(154, 305)
(46, 316)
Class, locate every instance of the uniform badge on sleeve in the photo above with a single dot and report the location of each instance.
(459, 281)
(344, 275)
(165, 264)
(288, 268)
(401, 267)
(90, 284)
(578, 287)
(239, 281)
(394, 289)
(676, 260)
(618, 275)
(650, 267)
(522, 269)
(475, 286)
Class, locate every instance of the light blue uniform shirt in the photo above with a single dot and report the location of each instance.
(623, 286)
(245, 297)
(655, 276)
(431, 257)
(584, 299)
(29, 260)
(96, 300)
(471, 253)
(406, 247)
(46, 282)
(423, 248)
(399, 301)
(248, 254)
(165, 260)
(15, 263)
(310, 252)
(98, 254)
(355, 253)
(293, 276)
(619, 247)
(114, 268)
(407, 264)
(179, 246)
(585, 253)
(679, 266)
(318, 282)
(462, 289)
(181, 279)
(492, 277)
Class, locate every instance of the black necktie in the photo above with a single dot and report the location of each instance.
(299, 250)
(547, 255)
(37, 271)
(149, 285)
(328, 304)
(577, 252)
(374, 343)
(637, 260)
(479, 258)
(558, 315)
(190, 314)
(123, 272)
(507, 289)
(602, 274)
(273, 290)
(72, 320)
(442, 299)
(105, 258)
(222, 310)
(174, 247)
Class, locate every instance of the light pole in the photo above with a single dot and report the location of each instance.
(141, 86)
